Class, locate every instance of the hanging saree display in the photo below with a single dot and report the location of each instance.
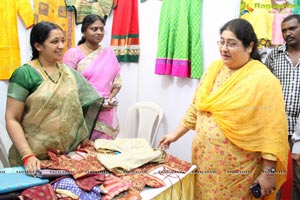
(83, 8)
(125, 31)
(179, 43)
(9, 41)
(55, 11)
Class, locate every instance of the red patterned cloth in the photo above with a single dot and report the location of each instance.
(177, 164)
(140, 177)
(78, 168)
(125, 31)
(139, 181)
(113, 186)
(87, 183)
(42, 192)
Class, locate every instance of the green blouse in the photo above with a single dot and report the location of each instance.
(24, 81)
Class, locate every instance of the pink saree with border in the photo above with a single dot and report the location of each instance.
(101, 69)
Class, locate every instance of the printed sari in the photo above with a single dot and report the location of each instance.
(101, 69)
(56, 116)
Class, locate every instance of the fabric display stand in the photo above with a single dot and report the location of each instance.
(125, 31)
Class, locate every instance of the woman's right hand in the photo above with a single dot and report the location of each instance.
(166, 140)
(32, 165)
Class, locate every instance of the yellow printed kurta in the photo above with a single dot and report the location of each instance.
(9, 41)
(56, 12)
(227, 149)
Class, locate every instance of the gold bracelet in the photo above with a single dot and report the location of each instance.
(28, 155)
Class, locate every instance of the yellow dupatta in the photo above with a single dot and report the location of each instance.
(249, 109)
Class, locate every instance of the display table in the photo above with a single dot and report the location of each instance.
(178, 185)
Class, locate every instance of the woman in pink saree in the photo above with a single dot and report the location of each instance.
(100, 67)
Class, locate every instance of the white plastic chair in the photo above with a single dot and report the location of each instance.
(142, 121)
(3, 152)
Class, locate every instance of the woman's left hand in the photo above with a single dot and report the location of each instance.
(267, 183)
(109, 104)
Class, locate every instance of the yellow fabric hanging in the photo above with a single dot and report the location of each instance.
(56, 12)
(249, 109)
(260, 16)
(9, 40)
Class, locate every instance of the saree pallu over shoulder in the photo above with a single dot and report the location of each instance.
(59, 116)
(102, 70)
(249, 109)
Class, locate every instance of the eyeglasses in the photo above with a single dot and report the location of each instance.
(228, 44)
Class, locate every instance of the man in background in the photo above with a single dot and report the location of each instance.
(284, 62)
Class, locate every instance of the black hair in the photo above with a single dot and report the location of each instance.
(88, 20)
(293, 16)
(40, 33)
(244, 31)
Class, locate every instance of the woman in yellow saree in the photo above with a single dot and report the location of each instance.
(239, 118)
(49, 106)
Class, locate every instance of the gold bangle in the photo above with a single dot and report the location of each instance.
(28, 155)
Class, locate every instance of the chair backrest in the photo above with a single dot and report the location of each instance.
(3, 152)
(142, 121)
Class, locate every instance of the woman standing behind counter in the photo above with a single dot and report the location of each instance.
(100, 67)
(49, 106)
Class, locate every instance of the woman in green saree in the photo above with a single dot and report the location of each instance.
(49, 105)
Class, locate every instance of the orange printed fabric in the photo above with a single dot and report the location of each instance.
(10, 58)
(56, 12)
(125, 31)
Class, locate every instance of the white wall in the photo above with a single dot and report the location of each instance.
(139, 81)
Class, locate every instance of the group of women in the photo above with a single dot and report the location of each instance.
(237, 111)
(59, 100)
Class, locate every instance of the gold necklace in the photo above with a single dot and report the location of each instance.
(50, 78)
(90, 49)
